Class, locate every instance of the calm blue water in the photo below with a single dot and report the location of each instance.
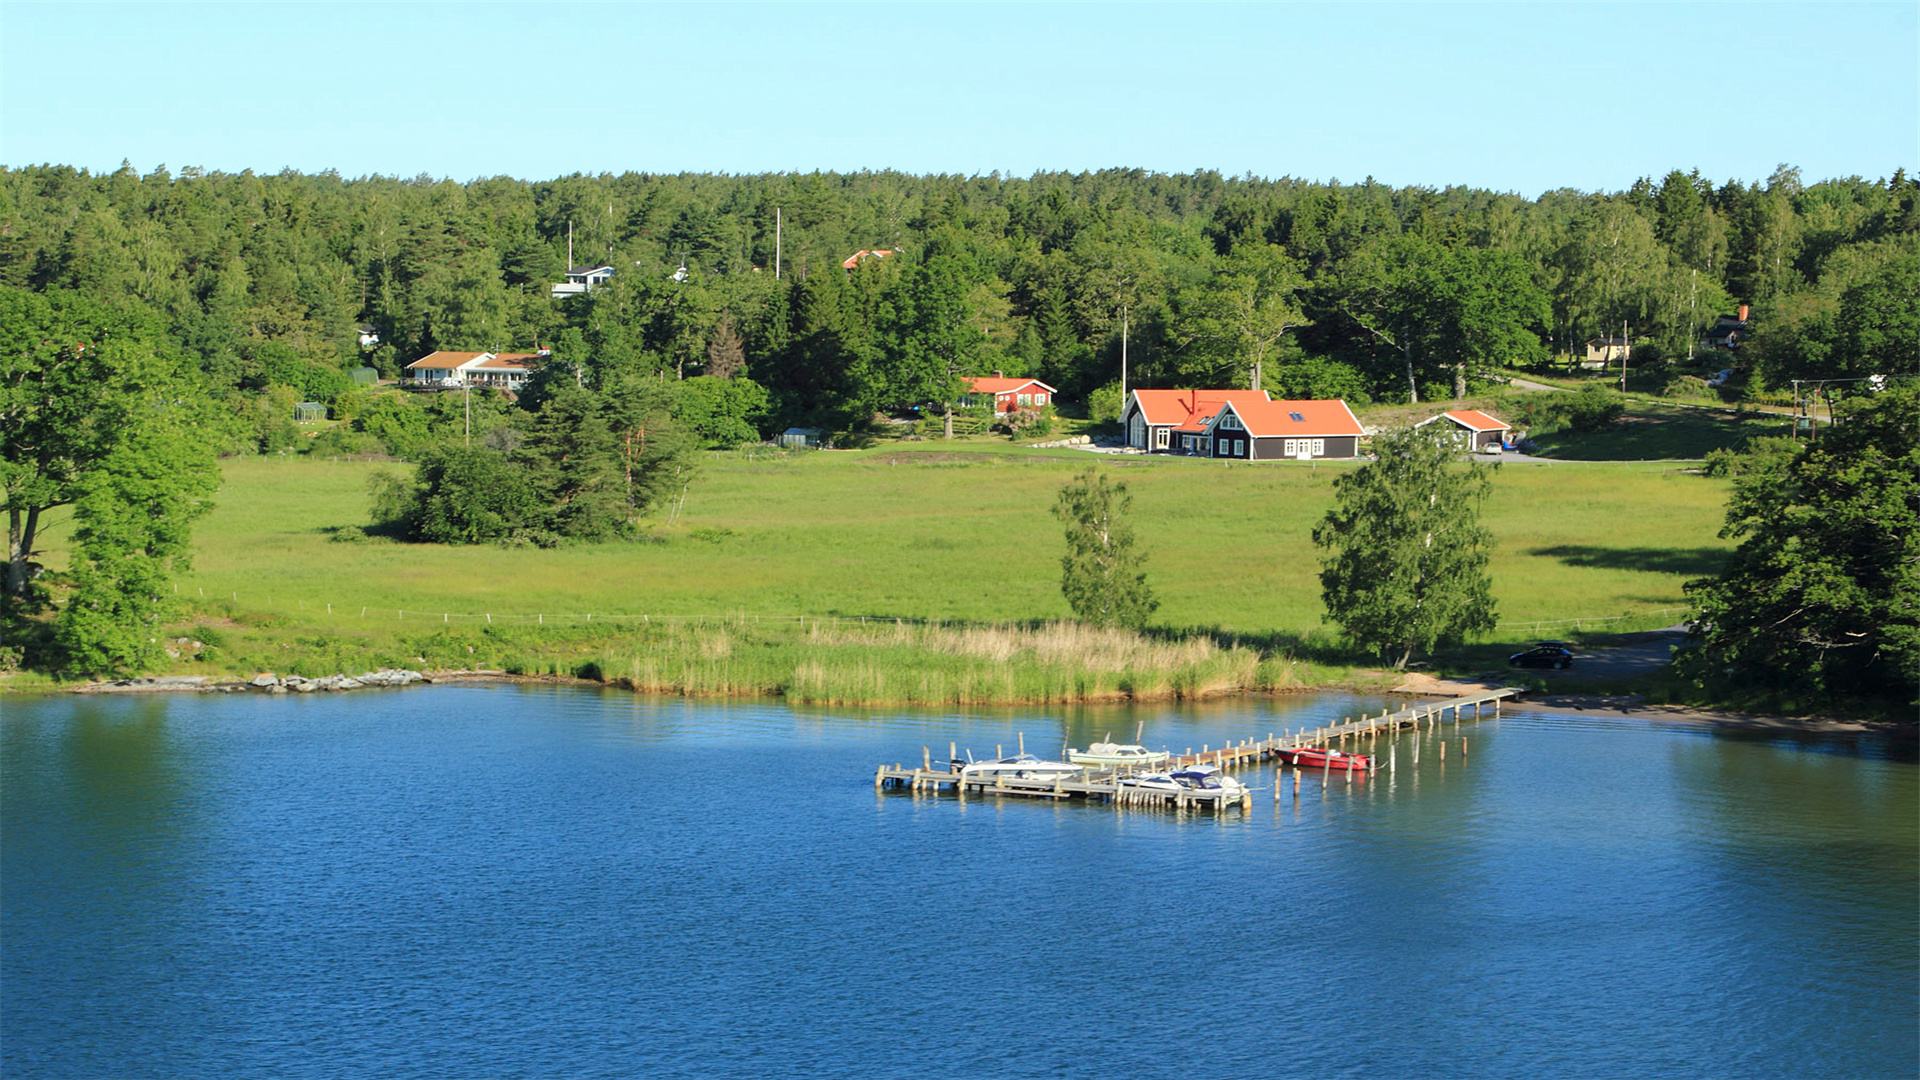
(506, 881)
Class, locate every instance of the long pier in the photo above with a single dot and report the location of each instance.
(1108, 785)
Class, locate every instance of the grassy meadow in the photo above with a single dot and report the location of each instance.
(919, 572)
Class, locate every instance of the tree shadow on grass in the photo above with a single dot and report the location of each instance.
(1688, 562)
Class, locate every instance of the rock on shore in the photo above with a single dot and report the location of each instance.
(265, 682)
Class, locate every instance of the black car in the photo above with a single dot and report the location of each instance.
(1547, 654)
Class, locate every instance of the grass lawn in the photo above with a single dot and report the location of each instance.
(1655, 432)
(951, 539)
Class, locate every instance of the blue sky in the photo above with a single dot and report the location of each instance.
(1521, 97)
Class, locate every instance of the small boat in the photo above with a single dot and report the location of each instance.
(1192, 778)
(1322, 757)
(1019, 767)
(1108, 755)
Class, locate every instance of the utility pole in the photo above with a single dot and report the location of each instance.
(1123, 359)
(776, 243)
(466, 399)
(569, 245)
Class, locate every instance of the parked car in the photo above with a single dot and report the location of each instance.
(1492, 448)
(1547, 654)
(1720, 378)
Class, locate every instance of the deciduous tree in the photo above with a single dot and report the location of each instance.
(1405, 563)
(1102, 573)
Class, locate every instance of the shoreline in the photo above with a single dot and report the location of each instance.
(1624, 706)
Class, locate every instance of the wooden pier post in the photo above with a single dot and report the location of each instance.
(1463, 747)
(1296, 783)
(1022, 736)
(1443, 749)
(1393, 759)
(999, 751)
(953, 751)
(879, 777)
(926, 759)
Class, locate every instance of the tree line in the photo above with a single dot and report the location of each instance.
(1306, 288)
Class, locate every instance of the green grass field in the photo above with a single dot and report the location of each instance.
(787, 574)
(1657, 432)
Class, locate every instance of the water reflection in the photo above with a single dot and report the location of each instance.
(554, 881)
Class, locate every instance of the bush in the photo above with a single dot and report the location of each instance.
(399, 424)
(1023, 424)
(721, 413)
(344, 442)
(1592, 408)
(1105, 404)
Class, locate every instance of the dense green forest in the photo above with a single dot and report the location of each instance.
(1303, 287)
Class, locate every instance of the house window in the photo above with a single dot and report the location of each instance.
(1292, 448)
(1026, 399)
(1319, 448)
(1230, 423)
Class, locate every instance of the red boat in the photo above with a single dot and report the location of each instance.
(1320, 757)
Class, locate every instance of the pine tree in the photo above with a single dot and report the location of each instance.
(1101, 574)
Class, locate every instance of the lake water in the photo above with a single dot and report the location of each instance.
(533, 881)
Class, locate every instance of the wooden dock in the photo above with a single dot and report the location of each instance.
(1354, 734)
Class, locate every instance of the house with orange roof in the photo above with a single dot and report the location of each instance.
(858, 257)
(1285, 430)
(443, 370)
(1160, 421)
(1473, 429)
(1008, 393)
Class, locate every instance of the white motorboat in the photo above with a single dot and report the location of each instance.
(1190, 778)
(1108, 755)
(1020, 767)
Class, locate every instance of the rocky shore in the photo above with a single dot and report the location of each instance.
(264, 683)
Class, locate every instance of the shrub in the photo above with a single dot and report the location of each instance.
(1105, 403)
(1022, 424)
(345, 442)
(1592, 408)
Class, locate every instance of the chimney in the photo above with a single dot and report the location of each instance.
(1743, 313)
(998, 374)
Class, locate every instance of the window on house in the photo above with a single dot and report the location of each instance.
(1319, 448)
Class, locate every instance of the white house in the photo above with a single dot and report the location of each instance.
(452, 370)
(582, 279)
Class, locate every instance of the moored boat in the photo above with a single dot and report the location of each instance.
(1019, 767)
(1323, 757)
(1109, 755)
(1190, 778)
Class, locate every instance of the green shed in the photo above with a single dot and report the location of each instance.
(309, 410)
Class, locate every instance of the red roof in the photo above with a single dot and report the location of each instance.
(1188, 409)
(443, 361)
(1000, 384)
(862, 255)
(1268, 419)
(1475, 419)
(510, 361)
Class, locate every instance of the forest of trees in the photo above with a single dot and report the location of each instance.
(1304, 288)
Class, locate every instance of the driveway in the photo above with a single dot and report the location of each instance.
(1628, 656)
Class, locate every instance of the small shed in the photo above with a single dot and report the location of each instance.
(800, 438)
(309, 410)
(1472, 428)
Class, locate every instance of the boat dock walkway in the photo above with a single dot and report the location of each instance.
(1108, 786)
